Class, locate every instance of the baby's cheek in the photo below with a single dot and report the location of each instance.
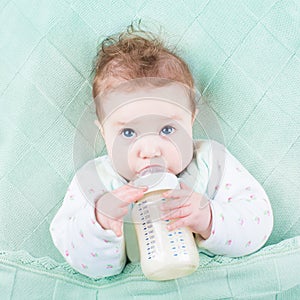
(182, 154)
(174, 165)
(122, 158)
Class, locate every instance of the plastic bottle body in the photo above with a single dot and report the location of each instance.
(164, 254)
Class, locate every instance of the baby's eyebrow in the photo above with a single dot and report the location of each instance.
(165, 118)
(122, 123)
(119, 123)
(175, 117)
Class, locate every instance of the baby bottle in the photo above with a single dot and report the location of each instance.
(164, 254)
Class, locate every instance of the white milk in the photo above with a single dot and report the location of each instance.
(164, 254)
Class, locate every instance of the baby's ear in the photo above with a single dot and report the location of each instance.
(98, 124)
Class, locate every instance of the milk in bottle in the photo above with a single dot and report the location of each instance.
(164, 254)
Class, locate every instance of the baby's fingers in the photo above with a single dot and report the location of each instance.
(177, 213)
(132, 195)
(116, 227)
(175, 204)
(183, 222)
(175, 194)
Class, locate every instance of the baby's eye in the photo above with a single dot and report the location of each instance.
(128, 132)
(167, 130)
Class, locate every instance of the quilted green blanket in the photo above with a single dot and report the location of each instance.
(245, 57)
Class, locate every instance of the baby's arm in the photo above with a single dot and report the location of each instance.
(84, 244)
(242, 218)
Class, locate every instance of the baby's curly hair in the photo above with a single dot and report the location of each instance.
(136, 53)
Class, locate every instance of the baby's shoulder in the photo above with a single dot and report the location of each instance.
(100, 172)
(206, 147)
(93, 165)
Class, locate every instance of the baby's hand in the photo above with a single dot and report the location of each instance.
(113, 206)
(187, 209)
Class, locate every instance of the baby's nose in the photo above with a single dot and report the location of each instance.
(149, 146)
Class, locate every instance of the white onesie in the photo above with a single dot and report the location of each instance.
(242, 218)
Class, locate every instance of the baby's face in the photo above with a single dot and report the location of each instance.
(148, 127)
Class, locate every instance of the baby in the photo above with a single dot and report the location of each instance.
(145, 103)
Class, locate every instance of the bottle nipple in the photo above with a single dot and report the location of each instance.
(156, 178)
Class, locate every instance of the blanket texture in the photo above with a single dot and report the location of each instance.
(245, 58)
